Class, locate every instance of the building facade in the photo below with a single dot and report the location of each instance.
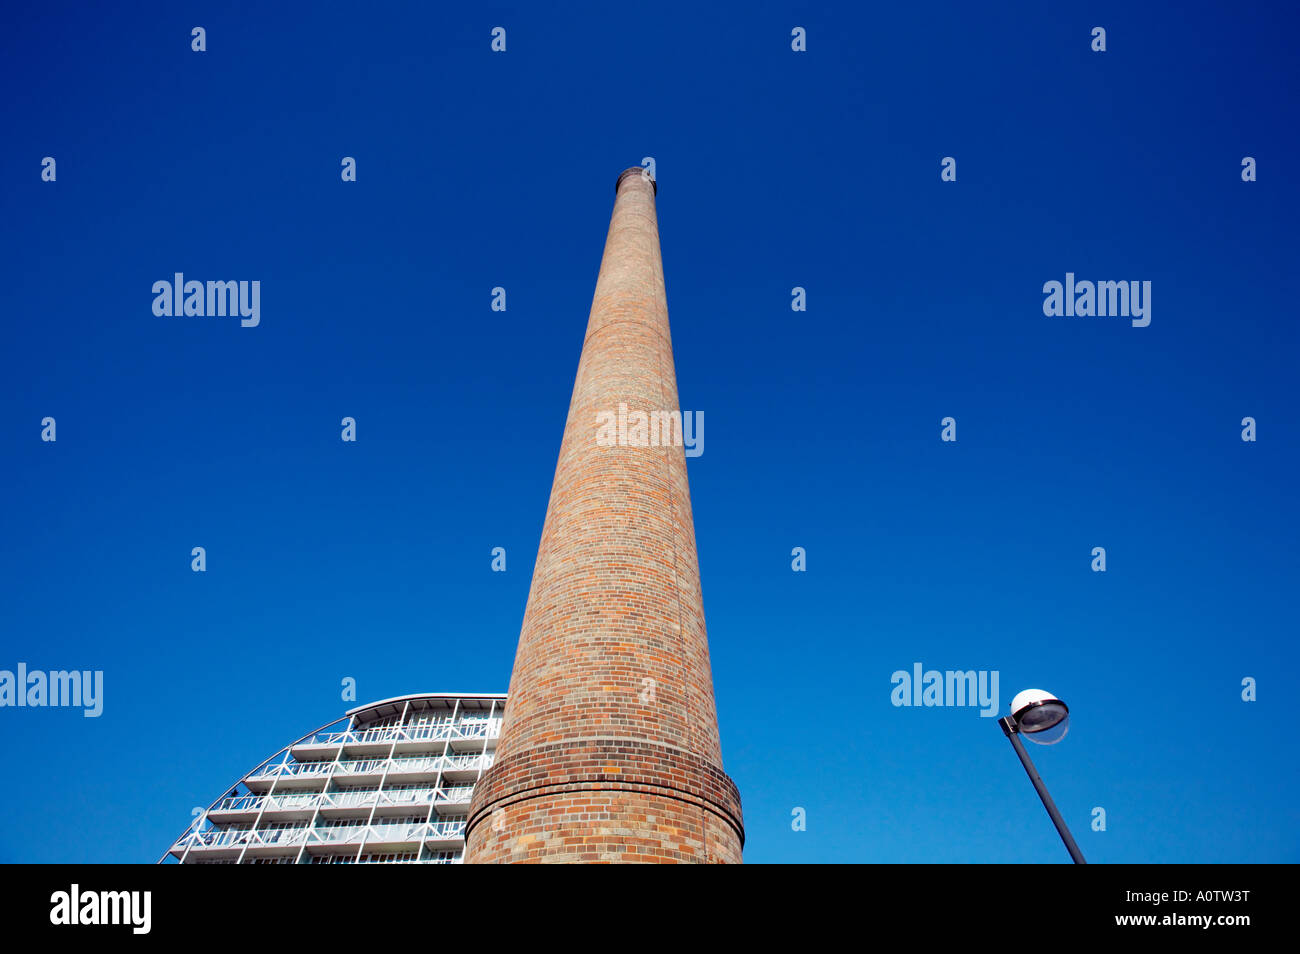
(610, 750)
(390, 782)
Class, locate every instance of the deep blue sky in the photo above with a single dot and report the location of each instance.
(776, 169)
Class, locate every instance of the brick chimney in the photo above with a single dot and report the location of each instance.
(609, 751)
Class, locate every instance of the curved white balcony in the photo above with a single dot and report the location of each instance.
(397, 774)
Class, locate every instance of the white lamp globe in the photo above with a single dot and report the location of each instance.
(1040, 716)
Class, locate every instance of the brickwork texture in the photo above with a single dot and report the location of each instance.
(609, 751)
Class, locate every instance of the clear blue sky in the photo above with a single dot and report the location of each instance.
(820, 169)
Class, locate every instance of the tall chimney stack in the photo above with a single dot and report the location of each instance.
(609, 751)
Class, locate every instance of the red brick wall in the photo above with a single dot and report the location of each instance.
(588, 767)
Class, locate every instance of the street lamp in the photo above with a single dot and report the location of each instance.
(1044, 719)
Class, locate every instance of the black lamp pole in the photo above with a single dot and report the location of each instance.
(1012, 732)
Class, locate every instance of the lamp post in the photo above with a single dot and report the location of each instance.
(1044, 719)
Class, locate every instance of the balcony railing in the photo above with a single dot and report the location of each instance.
(237, 837)
(430, 763)
(427, 732)
(444, 763)
(348, 799)
(361, 767)
(309, 801)
(403, 832)
(294, 769)
(447, 829)
(330, 835)
(408, 796)
(271, 803)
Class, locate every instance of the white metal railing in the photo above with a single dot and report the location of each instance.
(279, 836)
(408, 831)
(337, 834)
(440, 763)
(386, 858)
(408, 796)
(234, 837)
(424, 763)
(361, 766)
(239, 803)
(291, 802)
(271, 803)
(422, 732)
(326, 835)
(219, 838)
(483, 761)
(299, 801)
(293, 769)
(363, 799)
(447, 829)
